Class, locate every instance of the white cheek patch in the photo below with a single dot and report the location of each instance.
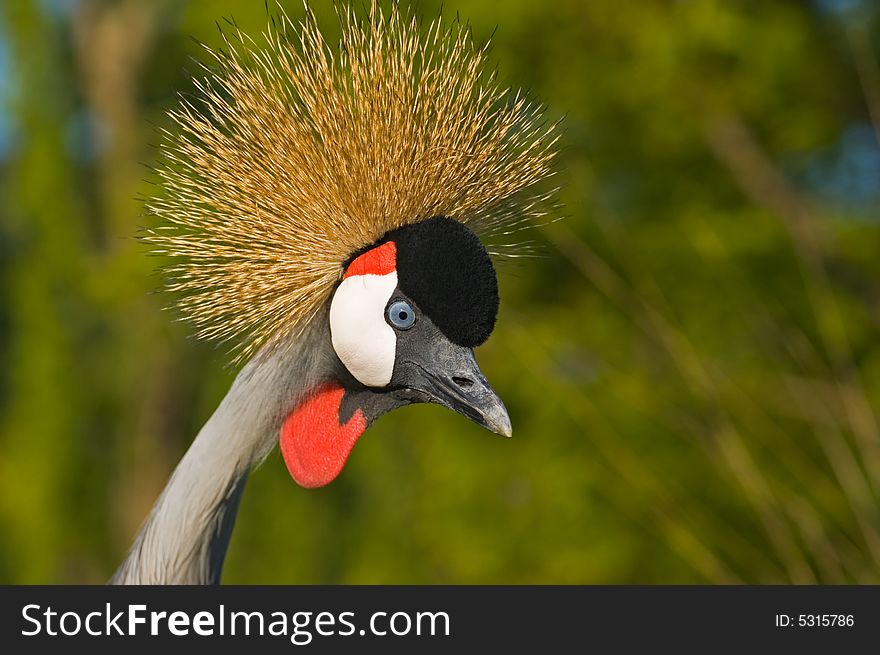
(364, 342)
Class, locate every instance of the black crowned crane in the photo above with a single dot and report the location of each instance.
(322, 207)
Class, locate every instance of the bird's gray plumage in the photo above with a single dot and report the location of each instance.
(184, 539)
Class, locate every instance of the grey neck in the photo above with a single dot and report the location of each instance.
(184, 539)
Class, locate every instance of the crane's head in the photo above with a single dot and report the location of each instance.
(408, 313)
(403, 323)
(309, 184)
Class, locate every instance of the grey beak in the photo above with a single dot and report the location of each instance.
(452, 378)
(471, 395)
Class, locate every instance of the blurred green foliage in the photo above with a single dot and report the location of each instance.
(692, 367)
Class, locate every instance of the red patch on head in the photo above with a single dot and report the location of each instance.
(314, 444)
(381, 260)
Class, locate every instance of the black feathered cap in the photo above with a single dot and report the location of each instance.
(445, 269)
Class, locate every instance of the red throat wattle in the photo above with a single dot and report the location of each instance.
(314, 443)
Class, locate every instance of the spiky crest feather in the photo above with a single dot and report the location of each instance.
(297, 155)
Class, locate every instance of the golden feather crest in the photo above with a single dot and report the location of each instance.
(296, 155)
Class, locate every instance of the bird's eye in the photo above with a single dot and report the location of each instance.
(401, 315)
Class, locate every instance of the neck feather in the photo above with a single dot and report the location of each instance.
(184, 539)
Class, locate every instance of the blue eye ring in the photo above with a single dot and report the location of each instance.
(400, 315)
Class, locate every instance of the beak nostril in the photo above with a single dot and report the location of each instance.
(465, 383)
